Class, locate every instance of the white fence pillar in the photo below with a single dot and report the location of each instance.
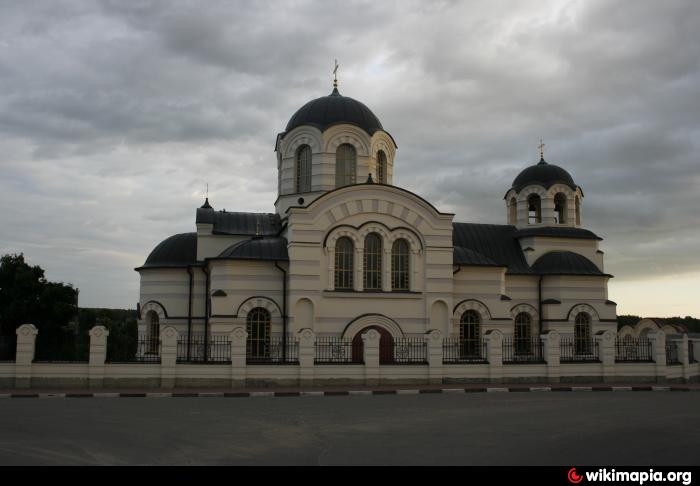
(98, 355)
(307, 341)
(434, 343)
(494, 354)
(605, 340)
(658, 353)
(370, 345)
(26, 344)
(239, 337)
(168, 356)
(551, 341)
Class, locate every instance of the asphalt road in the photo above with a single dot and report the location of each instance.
(567, 429)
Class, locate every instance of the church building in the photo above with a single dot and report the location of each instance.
(346, 250)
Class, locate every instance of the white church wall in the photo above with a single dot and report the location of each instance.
(209, 246)
(168, 287)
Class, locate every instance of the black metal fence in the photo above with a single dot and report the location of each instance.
(145, 349)
(63, 347)
(273, 350)
(633, 350)
(522, 351)
(201, 348)
(8, 347)
(672, 353)
(336, 350)
(578, 350)
(403, 350)
(691, 352)
(456, 351)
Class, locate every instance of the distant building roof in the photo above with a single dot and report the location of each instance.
(247, 224)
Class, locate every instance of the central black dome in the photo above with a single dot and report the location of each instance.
(333, 109)
(543, 174)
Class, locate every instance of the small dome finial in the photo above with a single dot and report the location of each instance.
(541, 147)
(335, 75)
(206, 204)
(369, 179)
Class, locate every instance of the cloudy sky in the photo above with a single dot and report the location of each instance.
(114, 116)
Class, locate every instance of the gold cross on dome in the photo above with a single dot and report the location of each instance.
(541, 147)
(335, 74)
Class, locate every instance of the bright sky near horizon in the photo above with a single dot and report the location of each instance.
(115, 115)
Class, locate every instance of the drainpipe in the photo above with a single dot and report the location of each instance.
(455, 272)
(539, 299)
(189, 312)
(206, 312)
(284, 311)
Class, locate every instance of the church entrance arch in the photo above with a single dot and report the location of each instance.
(386, 345)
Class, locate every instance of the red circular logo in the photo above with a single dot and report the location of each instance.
(574, 478)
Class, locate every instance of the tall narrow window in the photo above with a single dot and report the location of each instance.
(578, 211)
(470, 334)
(513, 211)
(373, 262)
(534, 209)
(303, 169)
(560, 208)
(153, 335)
(381, 167)
(522, 339)
(345, 165)
(399, 265)
(344, 250)
(258, 325)
(582, 333)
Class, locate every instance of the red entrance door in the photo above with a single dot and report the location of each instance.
(386, 346)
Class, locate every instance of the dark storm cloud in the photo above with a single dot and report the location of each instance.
(114, 116)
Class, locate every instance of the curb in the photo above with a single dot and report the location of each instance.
(335, 393)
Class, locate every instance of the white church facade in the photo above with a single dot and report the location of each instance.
(347, 251)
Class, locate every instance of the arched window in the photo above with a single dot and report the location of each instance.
(560, 208)
(522, 336)
(303, 169)
(534, 209)
(345, 165)
(578, 211)
(582, 333)
(381, 167)
(258, 325)
(344, 253)
(513, 211)
(399, 265)
(373, 262)
(470, 334)
(153, 333)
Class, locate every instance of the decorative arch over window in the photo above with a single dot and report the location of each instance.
(381, 167)
(578, 211)
(373, 262)
(522, 333)
(582, 333)
(345, 165)
(258, 327)
(534, 209)
(344, 263)
(153, 331)
(470, 334)
(560, 208)
(303, 169)
(513, 211)
(400, 257)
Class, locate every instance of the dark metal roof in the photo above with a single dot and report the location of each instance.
(272, 249)
(558, 232)
(176, 251)
(545, 175)
(496, 243)
(465, 256)
(565, 263)
(249, 224)
(333, 109)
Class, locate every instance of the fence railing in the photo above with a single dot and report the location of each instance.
(517, 351)
(633, 350)
(145, 349)
(672, 353)
(336, 350)
(273, 350)
(575, 350)
(691, 352)
(200, 348)
(456, 351)
(62, 347)
(403, 350)
(8, 347)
